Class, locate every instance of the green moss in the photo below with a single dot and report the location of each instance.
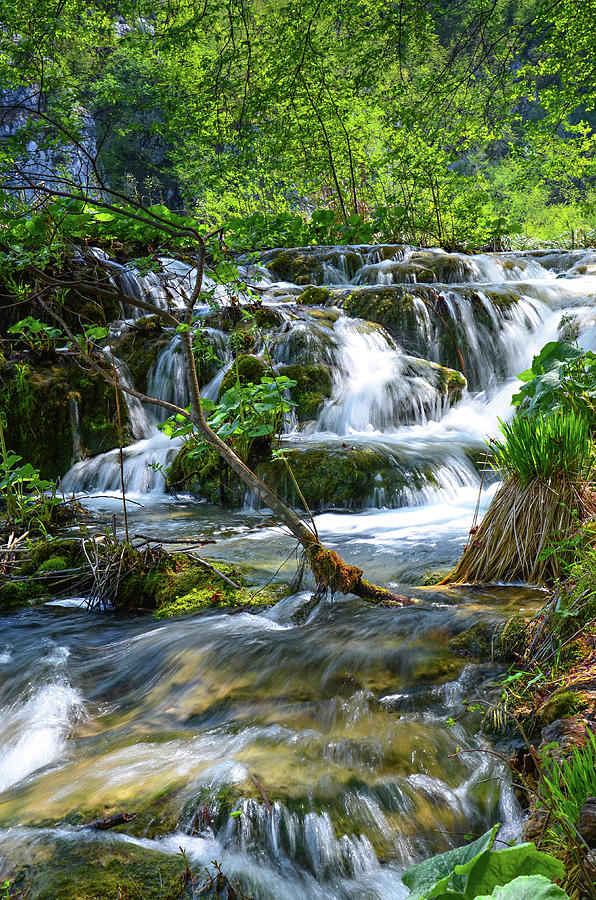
(429, 578)
(210, 597)
(67, 549)
(54, 564)
(392, 307)
(176, 585)
(247, 369)
(562, 705)
(91, 869)
(297, 266)
(39, 404)
(481, 640)
(313, 387)
(265, 318)
(19, 593)
(313, 296)
(340, 477)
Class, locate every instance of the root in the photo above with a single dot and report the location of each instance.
(333, 574)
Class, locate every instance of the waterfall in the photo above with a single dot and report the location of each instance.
(393, 316)
(142, 462)
(377, 387)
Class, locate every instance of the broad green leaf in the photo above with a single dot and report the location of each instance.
(431, 876)
(502, 866)
(527, 887)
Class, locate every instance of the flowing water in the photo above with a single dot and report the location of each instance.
(337, 730)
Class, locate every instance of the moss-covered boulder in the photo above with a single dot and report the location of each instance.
(313, 296)
(313, 386)
(422, 317)
(297, 266)
(394, 307)
(93, 868)
(21, 593)
(56, 413)
(342, 477)
(246, 369)
(177, 584)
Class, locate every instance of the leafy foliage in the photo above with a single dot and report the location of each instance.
(568, 784)
(562, 378)
(26, 496)
(478, 870)
(244, 414)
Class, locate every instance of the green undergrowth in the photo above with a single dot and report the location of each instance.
(166, 584)
(41, 575)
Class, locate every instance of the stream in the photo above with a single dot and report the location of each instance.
(337, 730)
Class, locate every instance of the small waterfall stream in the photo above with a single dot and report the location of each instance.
(342, 712)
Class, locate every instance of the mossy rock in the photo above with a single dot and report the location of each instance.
(393, 307)
(45, 557)
(39, 400)
(139, 348)
(341, 478)
(297, 266)
(21, 593)
(329, 478)
(313, 296)
(177, 585)
(246, 369)
(480, 640)
(66, 549)
(313, 386)
(562, 704)
(93, 869)
(430, 578)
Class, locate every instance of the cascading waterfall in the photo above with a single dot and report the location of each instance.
(485, 314)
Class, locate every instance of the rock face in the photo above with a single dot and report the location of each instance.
(57, 413)
(587, 822)
(40, 163)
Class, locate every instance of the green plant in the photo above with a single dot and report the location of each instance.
(547, 462)
(36, 334)
(477, 871)
(26, 495)
(245, 413)
(545, 446)
(562, 378)
(569, 782)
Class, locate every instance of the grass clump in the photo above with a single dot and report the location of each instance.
(545, 447)
(547, 461)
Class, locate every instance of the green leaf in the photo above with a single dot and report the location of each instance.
(527, 887)
(104, 217)
(433, 875)
(502, 866)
